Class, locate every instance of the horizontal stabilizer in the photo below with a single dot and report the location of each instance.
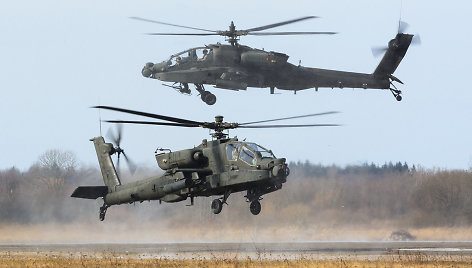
(90, 192)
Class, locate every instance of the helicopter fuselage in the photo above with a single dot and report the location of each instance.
(237, 67)
(218, 167)
(206, 170)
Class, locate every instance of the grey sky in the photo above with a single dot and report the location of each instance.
(59, 57)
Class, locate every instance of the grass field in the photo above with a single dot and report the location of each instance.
(131, 262)
(42, 259)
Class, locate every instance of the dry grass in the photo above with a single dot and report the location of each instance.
(61, 261)
(110, 259)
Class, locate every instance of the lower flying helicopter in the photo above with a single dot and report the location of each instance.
(236, 67)
(213, 168)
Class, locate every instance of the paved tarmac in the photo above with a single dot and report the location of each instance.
(243, 250)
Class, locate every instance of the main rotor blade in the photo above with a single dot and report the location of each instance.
(283, 126)
(291, 33)
(150, 123)
(170, 24)
(155, 116)
(291, 117)
(279, 24)
(192, 34)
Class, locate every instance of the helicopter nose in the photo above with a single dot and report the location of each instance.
(147, 69)
(280, 170)
(146, 72)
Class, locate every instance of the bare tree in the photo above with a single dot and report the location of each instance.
(55, 168)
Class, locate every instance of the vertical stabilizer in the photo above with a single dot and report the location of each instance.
(104, 152)
(393, 55)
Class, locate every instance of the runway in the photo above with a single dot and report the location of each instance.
(284, 250)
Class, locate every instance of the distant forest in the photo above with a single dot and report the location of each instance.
(406, 195)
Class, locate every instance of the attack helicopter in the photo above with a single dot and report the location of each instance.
(237, 67)
(218, 167)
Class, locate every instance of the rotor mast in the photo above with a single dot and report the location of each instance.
(233, 37)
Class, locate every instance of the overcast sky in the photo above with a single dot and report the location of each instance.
(58, 58)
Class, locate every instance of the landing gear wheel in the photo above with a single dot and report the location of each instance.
(255, 207)
(208, 98)
(102, 216)
(216, 206)
(396, 93)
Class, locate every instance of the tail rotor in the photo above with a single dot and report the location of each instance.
(116, 140)
(402, 28)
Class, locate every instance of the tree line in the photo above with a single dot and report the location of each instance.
(406, 195)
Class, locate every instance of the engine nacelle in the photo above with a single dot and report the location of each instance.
(262, 58)
(190, 158)
(226, 55)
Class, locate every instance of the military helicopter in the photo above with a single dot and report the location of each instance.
(218, 167)
(236, 67)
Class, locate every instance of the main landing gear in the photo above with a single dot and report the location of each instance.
(255, 207)
(254, 197)
(207, 97)
(102, 212)
(217, 204)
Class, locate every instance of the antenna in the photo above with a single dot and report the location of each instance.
(100, 118)
(400, 19)
(100, 121)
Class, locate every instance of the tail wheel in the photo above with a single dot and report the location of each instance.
(103, 211)
(255, 207)
(216, 206)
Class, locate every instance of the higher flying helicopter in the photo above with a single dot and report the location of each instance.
(218, 167)
(237, 67)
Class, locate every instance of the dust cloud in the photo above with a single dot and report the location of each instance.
(318, 203)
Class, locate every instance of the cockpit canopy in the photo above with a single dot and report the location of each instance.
(193, 54)
(248, 152)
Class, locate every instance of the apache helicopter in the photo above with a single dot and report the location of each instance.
(236, 67)
(214, 168)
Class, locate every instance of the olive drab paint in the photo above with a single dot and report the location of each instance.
(218, 167)
(237, 67)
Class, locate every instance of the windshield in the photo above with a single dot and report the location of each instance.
(264, 152)
(248, 156)
(232, 151)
